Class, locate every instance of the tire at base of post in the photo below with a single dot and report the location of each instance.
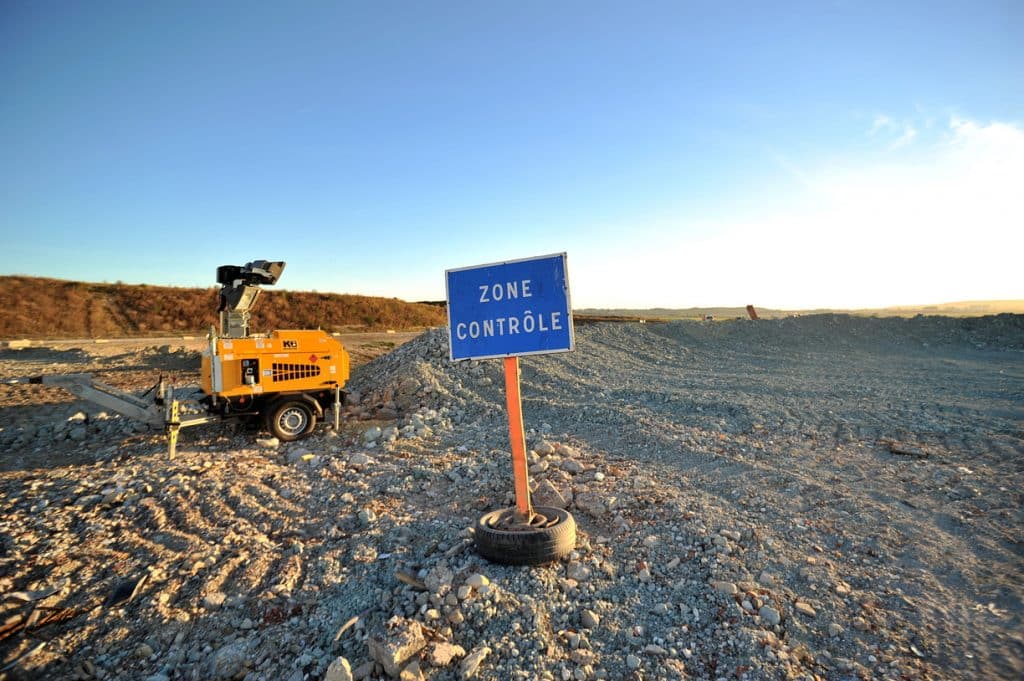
(551, 538)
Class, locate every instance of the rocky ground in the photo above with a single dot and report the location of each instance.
(817, 498)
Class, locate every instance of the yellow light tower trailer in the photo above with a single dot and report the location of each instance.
(286, 379)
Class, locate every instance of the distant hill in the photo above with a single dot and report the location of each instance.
(36, 307)
(967, 308)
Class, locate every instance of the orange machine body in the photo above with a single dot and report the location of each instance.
(243, 371)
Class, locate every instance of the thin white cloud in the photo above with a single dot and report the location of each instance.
(909, 133)
(881, 122)
(884, 125)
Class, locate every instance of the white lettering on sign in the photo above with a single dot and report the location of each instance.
(502, 326)
(507, 291)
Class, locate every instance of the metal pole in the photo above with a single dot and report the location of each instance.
(337, 408)
(517, 438)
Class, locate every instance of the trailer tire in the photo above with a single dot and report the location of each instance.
(550, 536)
(291, 419)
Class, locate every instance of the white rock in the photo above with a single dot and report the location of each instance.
(572, 466)
(443, 653)
(403, 639)
(578, 571)
(477, 580)
(770, 615)
(589, 619)
(339, 670)
(544, 448)
(547, 494)
(472, 662)
(632, 661)
(229, 661)
(359, 459)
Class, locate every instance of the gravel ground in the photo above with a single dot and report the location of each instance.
(823, 497)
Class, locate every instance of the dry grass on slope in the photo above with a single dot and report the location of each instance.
(50, 308)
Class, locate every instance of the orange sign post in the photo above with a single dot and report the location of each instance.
(517, 438)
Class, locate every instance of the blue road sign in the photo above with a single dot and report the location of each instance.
(519, 307)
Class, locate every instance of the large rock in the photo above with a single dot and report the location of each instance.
(769, 615)
(472, 662)
(572, 466)
(544, 448)
(402, 639)
(547, 494)
(592, 504)
(229, 662)
(359, 459)
(444, 652)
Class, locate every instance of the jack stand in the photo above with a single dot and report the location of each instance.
(173, 426)
(337, 409)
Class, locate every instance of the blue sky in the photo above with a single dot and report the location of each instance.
(682, 153)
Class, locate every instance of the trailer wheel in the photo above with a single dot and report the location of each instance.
(290, 420)
(549, 536)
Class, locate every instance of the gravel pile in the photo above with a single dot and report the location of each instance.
(812, 498)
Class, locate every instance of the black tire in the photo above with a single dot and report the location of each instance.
(550, 536)
(291, 420)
